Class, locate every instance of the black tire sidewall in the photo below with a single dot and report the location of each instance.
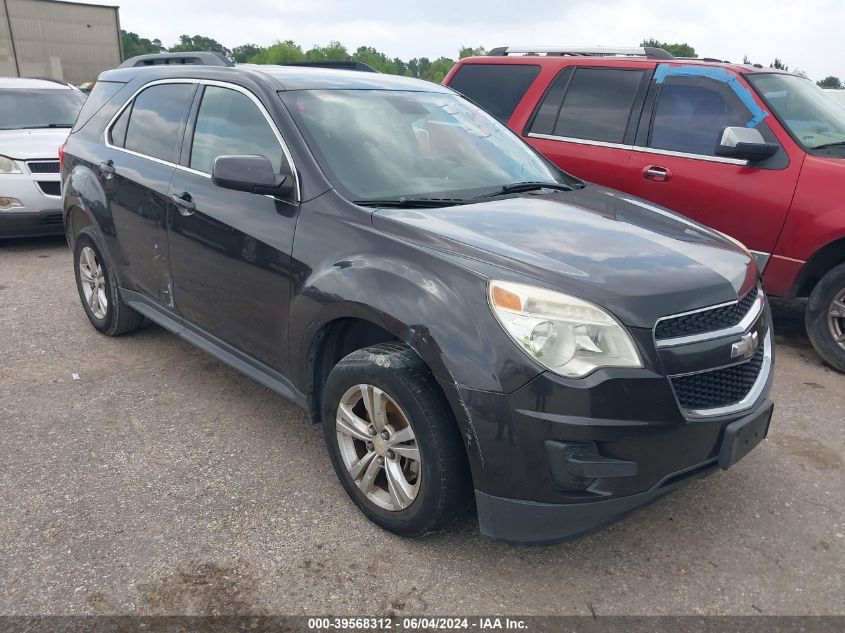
(418, 407)
(818, 308)
(88, 239)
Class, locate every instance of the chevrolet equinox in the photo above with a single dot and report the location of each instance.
(457, 312)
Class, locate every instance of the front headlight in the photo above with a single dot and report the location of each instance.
(8, 166)
(567, 335)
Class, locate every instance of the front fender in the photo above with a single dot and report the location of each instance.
(437, 308)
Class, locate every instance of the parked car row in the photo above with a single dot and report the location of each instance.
(756, 153)
(37, 115)
(461, 316)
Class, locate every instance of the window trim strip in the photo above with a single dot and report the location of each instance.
(639, 148)
(202, 82)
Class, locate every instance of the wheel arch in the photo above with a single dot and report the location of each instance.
(824, 259)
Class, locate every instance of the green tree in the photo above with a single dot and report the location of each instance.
(245, 52)
(334, 52)
(199, 43)
(438, 69)
(419, 67)
(778, 64)
(469, 51)
(678, 50)
(280, 53)
(401, 67)
(134, 44)
(830, 82)
(370, 56)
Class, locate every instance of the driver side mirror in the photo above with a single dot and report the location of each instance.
(252, 174)
(745, 143)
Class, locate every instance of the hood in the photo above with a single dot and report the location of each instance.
(29, 144)
(636, 259)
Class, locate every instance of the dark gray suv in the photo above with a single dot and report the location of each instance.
(458, 313)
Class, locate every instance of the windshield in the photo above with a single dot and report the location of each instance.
(812, 117)
(384, 144)
(24, 109)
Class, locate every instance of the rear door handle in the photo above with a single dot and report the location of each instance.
(107, 169)
(184, 203)
(656, 173)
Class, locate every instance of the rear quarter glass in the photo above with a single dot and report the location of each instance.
(498, 88)
(101, 94)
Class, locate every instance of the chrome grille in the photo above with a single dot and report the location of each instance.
(704, 321)
(719, 387)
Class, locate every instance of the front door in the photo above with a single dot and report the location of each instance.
(583, 123)
(231, 250)
(674, 161)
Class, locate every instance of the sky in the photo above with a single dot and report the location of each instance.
(806, 34)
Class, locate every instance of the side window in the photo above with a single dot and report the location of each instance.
(156, 119)
(498, 88)
(692, 112)
(117, 135)
(228, 122)
(597, 104)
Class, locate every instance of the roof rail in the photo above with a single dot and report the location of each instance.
(705, 59)
(199, 58)
(582, 51)
(337, 65)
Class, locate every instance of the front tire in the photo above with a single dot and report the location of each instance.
(825, 318)
(98, 288)
(393, 441)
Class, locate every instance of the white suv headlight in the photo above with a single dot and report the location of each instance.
(567, 335)
(8, 166)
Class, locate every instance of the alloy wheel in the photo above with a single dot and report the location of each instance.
(93, 282)
(378, 447)
(836, 318)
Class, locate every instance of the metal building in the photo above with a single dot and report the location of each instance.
(64, 40)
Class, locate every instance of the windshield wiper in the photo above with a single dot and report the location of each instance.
(827, 145)
(522, 187)
(420, 203)
(46, 126)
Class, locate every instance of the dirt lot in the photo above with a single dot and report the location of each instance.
(160, 481)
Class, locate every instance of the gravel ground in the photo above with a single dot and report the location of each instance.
(141, 476)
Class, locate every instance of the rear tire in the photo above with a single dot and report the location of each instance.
(98, 288)
(393, 441)
(825, 317)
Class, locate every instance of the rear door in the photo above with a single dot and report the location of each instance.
(231, 250)
(585, 122)
(142, 144)
(674, 161)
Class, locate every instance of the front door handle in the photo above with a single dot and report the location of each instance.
(184, 203)
(107, 169)
(656, 173)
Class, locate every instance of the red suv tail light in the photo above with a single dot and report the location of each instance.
(62, 156)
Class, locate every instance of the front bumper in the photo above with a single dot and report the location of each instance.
(536, 523)
(41, 214)
(562, 457)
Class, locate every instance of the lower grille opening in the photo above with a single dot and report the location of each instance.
(53, 218)
(720, 387)
(50, 187)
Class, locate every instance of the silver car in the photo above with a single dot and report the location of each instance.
(35, 118)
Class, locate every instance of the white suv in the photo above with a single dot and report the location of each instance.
(35, 118)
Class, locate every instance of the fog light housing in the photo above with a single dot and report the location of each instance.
(7, 203)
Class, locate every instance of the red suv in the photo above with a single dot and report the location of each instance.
(755, 153)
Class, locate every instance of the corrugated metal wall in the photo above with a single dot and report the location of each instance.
(69, 41)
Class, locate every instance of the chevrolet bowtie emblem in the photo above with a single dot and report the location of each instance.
(746, 346)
